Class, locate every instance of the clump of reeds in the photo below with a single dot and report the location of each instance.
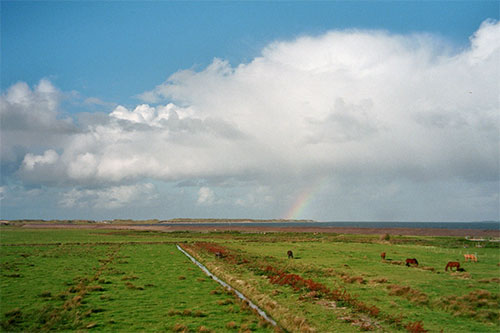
(12, 318)
(495, 279)
(479, 304)
(95, 288)
(428, 268)
(129, 278)
(225, 301)
(412, 295)
(217, 291)
(231, 325)
(178, 327)
(352, 279)
(415, 327)
(133, 286)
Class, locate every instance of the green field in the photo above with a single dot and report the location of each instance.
(118, 280)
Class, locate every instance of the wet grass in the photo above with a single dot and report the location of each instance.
(121, 280)
(72, 287)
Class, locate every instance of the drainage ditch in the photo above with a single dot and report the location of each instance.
(225, 285)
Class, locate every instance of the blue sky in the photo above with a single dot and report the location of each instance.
(75, 74)
(114, 50)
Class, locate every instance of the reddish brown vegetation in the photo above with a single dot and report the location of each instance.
(295, 281)
(312, 290)
(221, 252)
(415, 327)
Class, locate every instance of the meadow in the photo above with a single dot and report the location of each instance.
(124, 280)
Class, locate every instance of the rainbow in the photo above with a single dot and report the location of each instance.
(303, 199)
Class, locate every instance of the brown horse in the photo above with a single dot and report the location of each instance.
(411, 261)
(470, 257)
(382, 255)
(452, 264)
(290, 254)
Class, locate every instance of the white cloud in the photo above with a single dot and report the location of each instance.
(3, 191)
(345, 105)
(30, 160)
(109, 198)
(205, 196)
(29, 120)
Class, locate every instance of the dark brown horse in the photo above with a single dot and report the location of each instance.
(382, 255)
(290, 254)
(411, 261)
(452, 264)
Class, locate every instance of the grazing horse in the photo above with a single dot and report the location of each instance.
(452, 264)
(470, 257)
(290, 254)
(382, 255)
(219, 255)
(411, 261)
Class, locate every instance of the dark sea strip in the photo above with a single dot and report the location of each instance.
(424, 225)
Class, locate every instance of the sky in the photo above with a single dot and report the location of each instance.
(325, 110)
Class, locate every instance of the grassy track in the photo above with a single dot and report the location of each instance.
(119, 280)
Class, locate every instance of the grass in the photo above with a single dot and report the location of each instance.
(121, 280)
(86, 287)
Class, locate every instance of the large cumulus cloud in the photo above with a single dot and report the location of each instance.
(31, 121)
(345, 105)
